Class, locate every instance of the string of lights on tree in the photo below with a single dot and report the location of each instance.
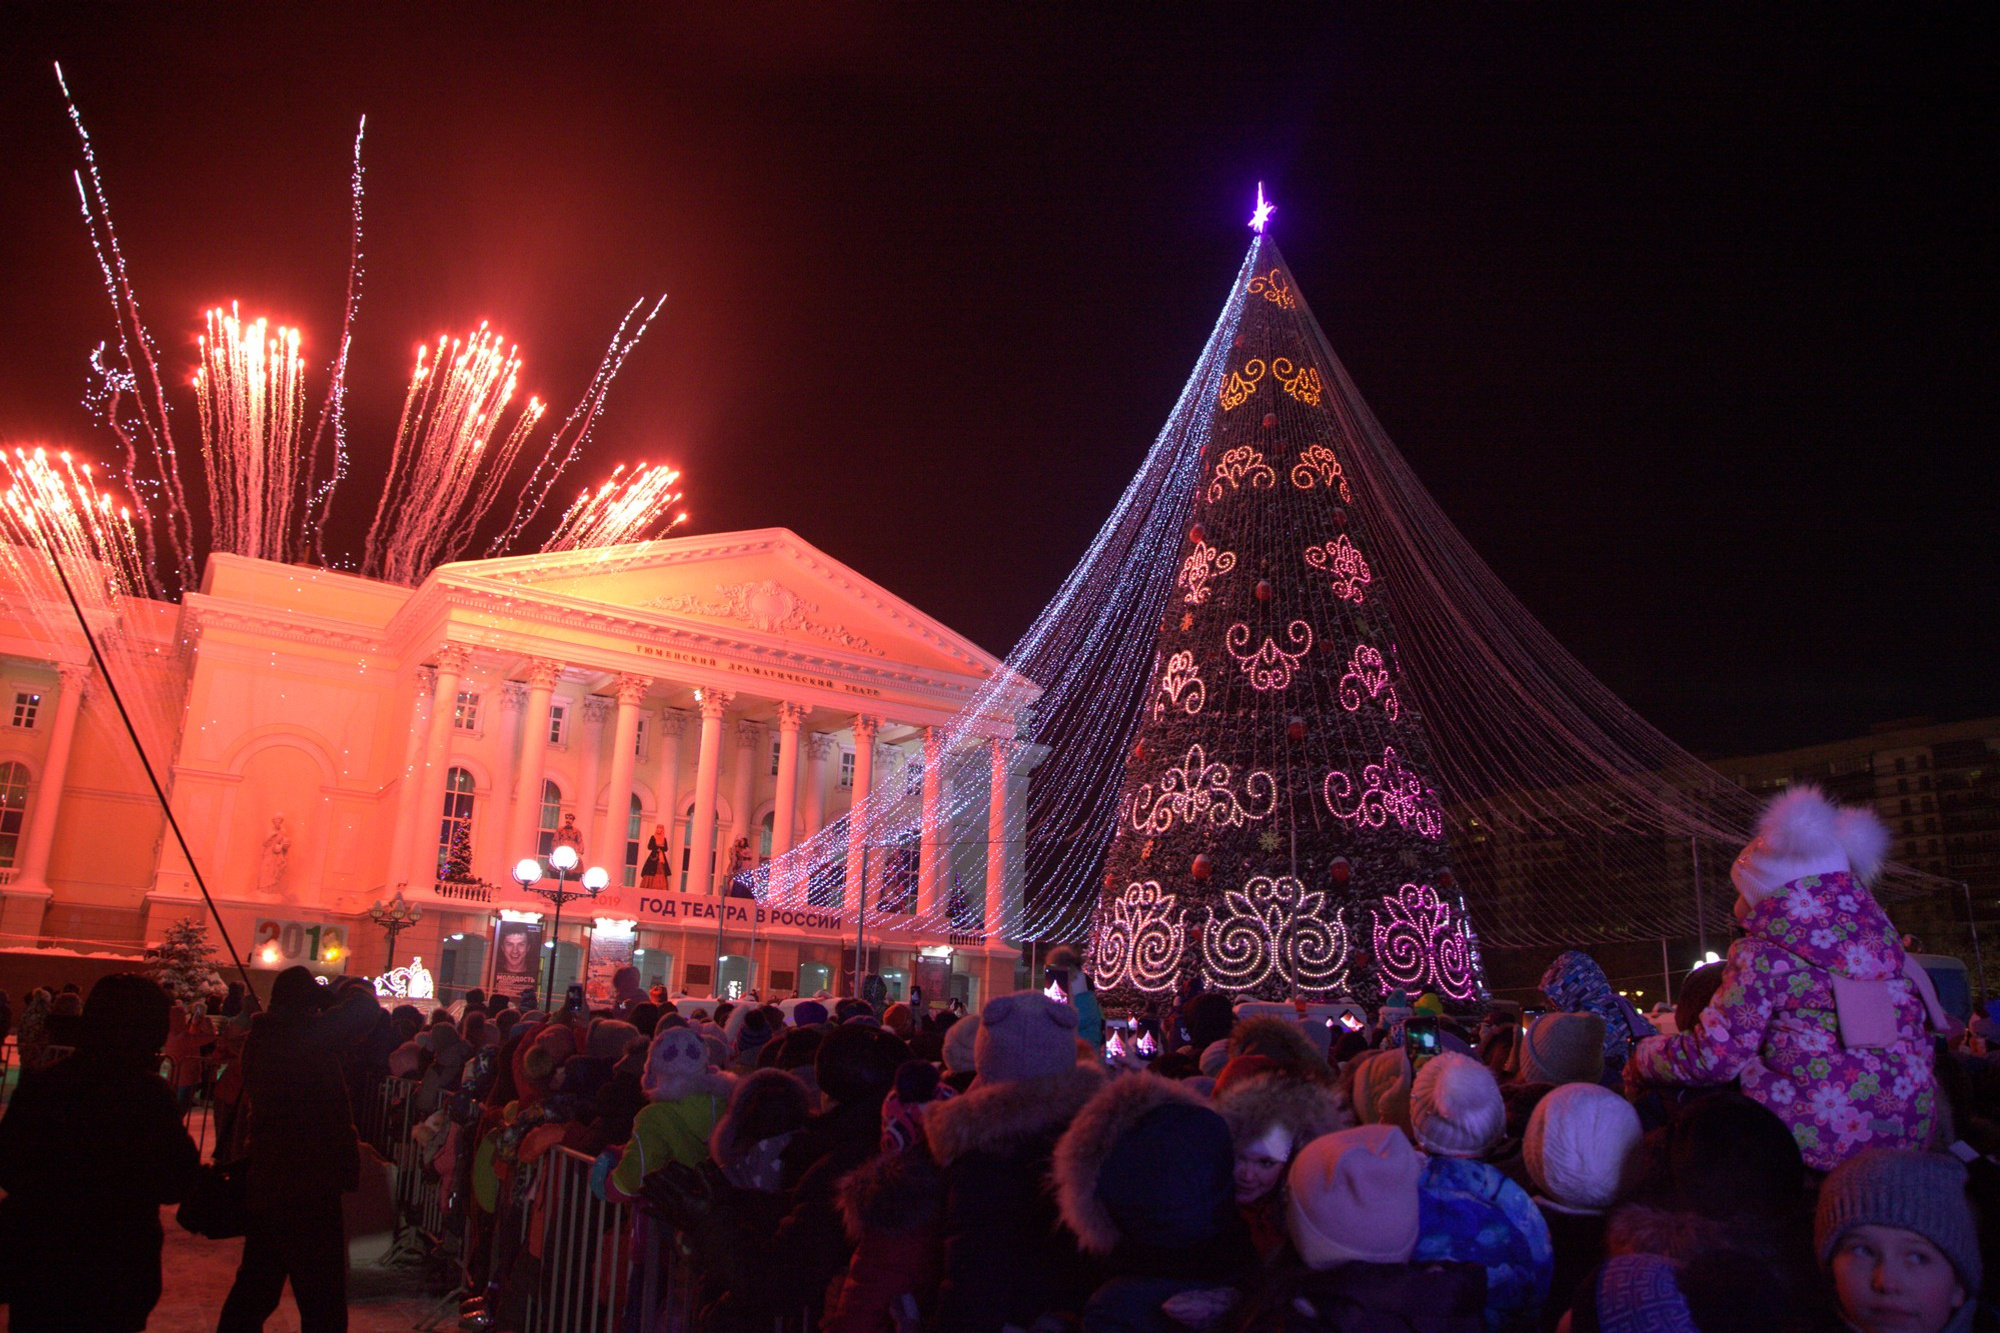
(1281, 669)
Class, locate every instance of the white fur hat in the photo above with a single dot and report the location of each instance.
(1576, 1145)
(1802, 833)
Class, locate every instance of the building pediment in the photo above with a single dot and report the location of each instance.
(764, 585)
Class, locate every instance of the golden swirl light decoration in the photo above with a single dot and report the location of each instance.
(1199, 792)
(1236, 390)
(1203, 562)
(1303, 383)
(1239, 466)
(1317, 464)
(1271, 286)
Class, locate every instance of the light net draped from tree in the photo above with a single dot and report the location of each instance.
(1561, 816)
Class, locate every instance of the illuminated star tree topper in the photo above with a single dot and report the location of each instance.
(1264, 210)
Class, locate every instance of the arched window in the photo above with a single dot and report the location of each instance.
(455, 829)
(550, 820)
(764, 831)
(13, 811)
(635, 837)
(687, 849)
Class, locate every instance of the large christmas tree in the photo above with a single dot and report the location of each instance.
(1279, 833)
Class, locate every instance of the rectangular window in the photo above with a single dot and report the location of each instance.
(558, 723)
(639, 738)
(466, 716)
(26, 706)
(775, 744)
(847, 770)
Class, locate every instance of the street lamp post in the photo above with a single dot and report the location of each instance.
(528, 874)
(394, 916)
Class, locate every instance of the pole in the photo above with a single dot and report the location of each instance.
(159, 792)
(1666, 972)
(1700, 912)
(1978, 958)
(860, 920)
(555, 946)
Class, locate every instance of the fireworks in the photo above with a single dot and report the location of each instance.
(54, 511)
(270, 486)
(444, 470)
(630, 507)
(251, 393)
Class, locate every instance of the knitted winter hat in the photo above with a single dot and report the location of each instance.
(1214, 1057)
(1802, 833)
(899, 1019)
(1896, 1187)
(1563, 1048)
(808, 1012)
(1382, 1089)
(609, 1038)
(676, 1057)
(1577, 1143)
(960, 1045)
(857, 1063)
(1633, 1293)
(1024, 1035)
(1353, 1196)
(1455, 1107)
(296, 989)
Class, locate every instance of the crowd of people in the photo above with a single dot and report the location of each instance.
(1807, 1148)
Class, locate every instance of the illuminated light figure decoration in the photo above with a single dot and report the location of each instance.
(1366, 672)
(1390, 791)
(1200, 793)
(1347, 566)
(1302, 382)
(1242, 383)
(1270, 667)
(407, 983)
(1142, 942)
(1422, 943)
(1318, 465)
(1203, 563)
(1242, 465)
(1276, 929)
(1180, 686)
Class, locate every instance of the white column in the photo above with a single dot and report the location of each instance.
(819, 749)
(531, 760)
(790, 718)
(422, 868)
(71, 683)
(596, 710)
(999, 836)
(667, 783)
(748, 736)
(707, 773)
(624, 739)
(409, 796)
(930, 849)
(865, 728)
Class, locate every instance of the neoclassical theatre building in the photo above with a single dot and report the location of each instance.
(682, 706)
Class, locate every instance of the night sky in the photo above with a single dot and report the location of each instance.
(1686, 318)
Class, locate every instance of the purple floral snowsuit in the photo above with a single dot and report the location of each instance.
(1773, 1024)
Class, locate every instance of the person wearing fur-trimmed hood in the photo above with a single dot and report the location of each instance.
(1143, 1178)
(1272, 1112)
(1007, 1259)
(1820, 1014)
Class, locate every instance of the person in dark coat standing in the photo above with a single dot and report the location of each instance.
(303, 1155)
(1007, 1258)
(89, 1151)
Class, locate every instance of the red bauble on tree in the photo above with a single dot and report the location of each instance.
(1263, 590)
(1197, 533)
(1202, 867)
(1270, 420)
(1296, 728)
(1341, 870)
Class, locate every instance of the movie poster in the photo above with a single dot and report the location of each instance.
(517, 962)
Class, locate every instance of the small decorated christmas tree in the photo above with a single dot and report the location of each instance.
(180, 961)
(456, 863)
